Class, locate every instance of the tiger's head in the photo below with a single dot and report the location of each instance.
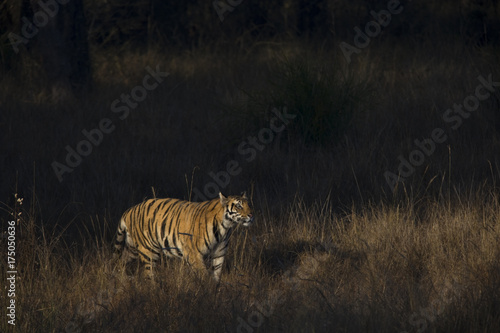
(237, 209)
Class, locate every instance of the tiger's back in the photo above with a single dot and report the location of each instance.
(195, 231)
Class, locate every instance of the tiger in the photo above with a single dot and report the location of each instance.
(197, 232)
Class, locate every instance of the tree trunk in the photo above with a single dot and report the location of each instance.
(313, 18)
(60, 44)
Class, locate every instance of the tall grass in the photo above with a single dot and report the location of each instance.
(311, 268)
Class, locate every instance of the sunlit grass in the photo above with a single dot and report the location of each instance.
(429, 265)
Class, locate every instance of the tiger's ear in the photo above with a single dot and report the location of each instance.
(223, 199)
(244, 195)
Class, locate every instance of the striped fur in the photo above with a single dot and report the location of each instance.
(194, 231)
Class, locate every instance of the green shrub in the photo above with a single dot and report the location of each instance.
(324, 99)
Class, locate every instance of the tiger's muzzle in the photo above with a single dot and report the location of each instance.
(248, 220)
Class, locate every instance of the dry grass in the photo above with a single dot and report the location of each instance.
(310, 268)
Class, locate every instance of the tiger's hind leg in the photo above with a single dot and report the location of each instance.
(146, 263)
(147, 268)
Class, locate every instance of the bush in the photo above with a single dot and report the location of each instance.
(325, 100)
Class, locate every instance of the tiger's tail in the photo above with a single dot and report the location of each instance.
(121, 235)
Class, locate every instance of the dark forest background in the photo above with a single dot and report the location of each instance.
(320, 181)
(64, 79)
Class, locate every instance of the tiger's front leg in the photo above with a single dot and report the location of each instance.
(217, 267)
(218, 260)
